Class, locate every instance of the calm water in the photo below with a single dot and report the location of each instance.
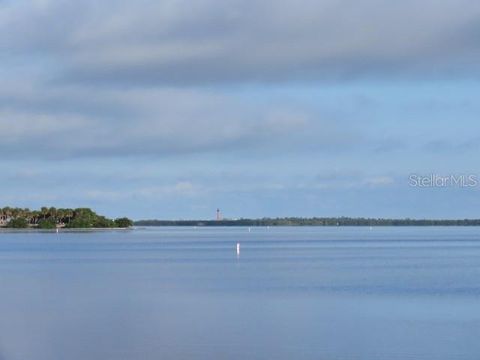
(293, 293)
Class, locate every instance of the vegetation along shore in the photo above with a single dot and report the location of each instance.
(316, 221)
(52, 218)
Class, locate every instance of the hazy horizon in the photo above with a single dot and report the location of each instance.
(174, 109)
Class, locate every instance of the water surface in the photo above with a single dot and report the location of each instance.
(292, 293)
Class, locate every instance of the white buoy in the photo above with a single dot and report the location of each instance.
(57, 230)
(238, 248)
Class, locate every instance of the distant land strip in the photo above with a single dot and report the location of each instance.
(297, 221)
(48, 218)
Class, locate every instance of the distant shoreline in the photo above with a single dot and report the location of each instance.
(60, 230)
(311, 222)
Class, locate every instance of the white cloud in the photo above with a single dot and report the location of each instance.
(178, 189)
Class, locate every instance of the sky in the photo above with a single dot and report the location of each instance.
(171, 109)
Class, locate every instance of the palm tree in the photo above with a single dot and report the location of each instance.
(44, 211)
(8, 212)
(69, 214)
(60, 216)
(52, 212)
(14, 212)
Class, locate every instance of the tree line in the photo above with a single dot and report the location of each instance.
(315, 221)
(51, 218)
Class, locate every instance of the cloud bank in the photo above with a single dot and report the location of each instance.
(122, 78)
(178, 42)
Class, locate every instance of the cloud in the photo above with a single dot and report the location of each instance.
(210, 41)
(347, 179)
(66, 122)
(107, 79)
(179, 189)
(449, 145)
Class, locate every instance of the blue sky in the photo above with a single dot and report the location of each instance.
(301, 108)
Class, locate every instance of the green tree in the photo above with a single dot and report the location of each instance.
(49, 223)
(102, 222)
(80, 222)
(123, 222)
(44, 212)
(49, 218)
(18, 223)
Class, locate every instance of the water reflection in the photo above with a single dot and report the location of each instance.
(302, 293)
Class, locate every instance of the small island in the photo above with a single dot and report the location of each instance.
(52, 218)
